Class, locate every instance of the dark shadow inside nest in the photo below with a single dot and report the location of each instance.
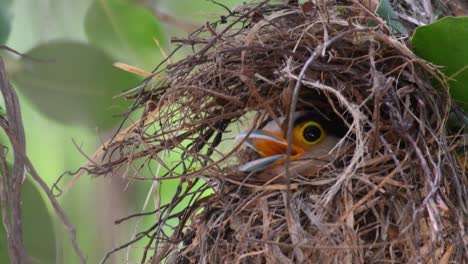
(318, 109)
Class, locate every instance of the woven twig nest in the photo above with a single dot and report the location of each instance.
(397, 192)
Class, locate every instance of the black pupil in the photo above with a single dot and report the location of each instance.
(312, 133)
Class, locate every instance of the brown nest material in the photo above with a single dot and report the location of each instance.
(398, 193)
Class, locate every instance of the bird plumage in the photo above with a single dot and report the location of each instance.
(314, 137)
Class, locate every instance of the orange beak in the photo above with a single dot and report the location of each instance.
(272, 147)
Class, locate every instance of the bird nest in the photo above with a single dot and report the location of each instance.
(396, 193)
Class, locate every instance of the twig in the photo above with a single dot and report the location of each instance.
(16, 249)
(3, 191)
(5, 47)
(15, 132)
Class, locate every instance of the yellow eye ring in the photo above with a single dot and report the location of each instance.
(311, 133)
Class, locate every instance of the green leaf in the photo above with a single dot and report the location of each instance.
(39, 236)
(5, 25)
(76, 85)
(199, 11)
(445, 43)
(126, 31)
(40, 21)
(385, 10)
(3, 245)
(38, 230)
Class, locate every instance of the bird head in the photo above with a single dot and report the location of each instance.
(314, 136)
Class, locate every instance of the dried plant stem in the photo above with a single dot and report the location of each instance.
(13, 127)
(13, 181)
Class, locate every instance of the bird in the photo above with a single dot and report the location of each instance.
(314, 138)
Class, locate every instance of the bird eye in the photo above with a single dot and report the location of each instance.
(312, 132)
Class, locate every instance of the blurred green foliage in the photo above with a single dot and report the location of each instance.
(68, 93)
(110, 25)
(5, 24)
(445, 43)
(76, 84)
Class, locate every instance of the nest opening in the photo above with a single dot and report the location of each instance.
(394, 193)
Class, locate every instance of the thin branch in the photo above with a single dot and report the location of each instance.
(13, 181)
(5, 47)
(15, 132)
(3, 190)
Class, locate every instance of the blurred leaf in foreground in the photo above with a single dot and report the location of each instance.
(125, 30)
(199, 11)
(38, 230)
(445, 43)
(5, 24)
(75, 85)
